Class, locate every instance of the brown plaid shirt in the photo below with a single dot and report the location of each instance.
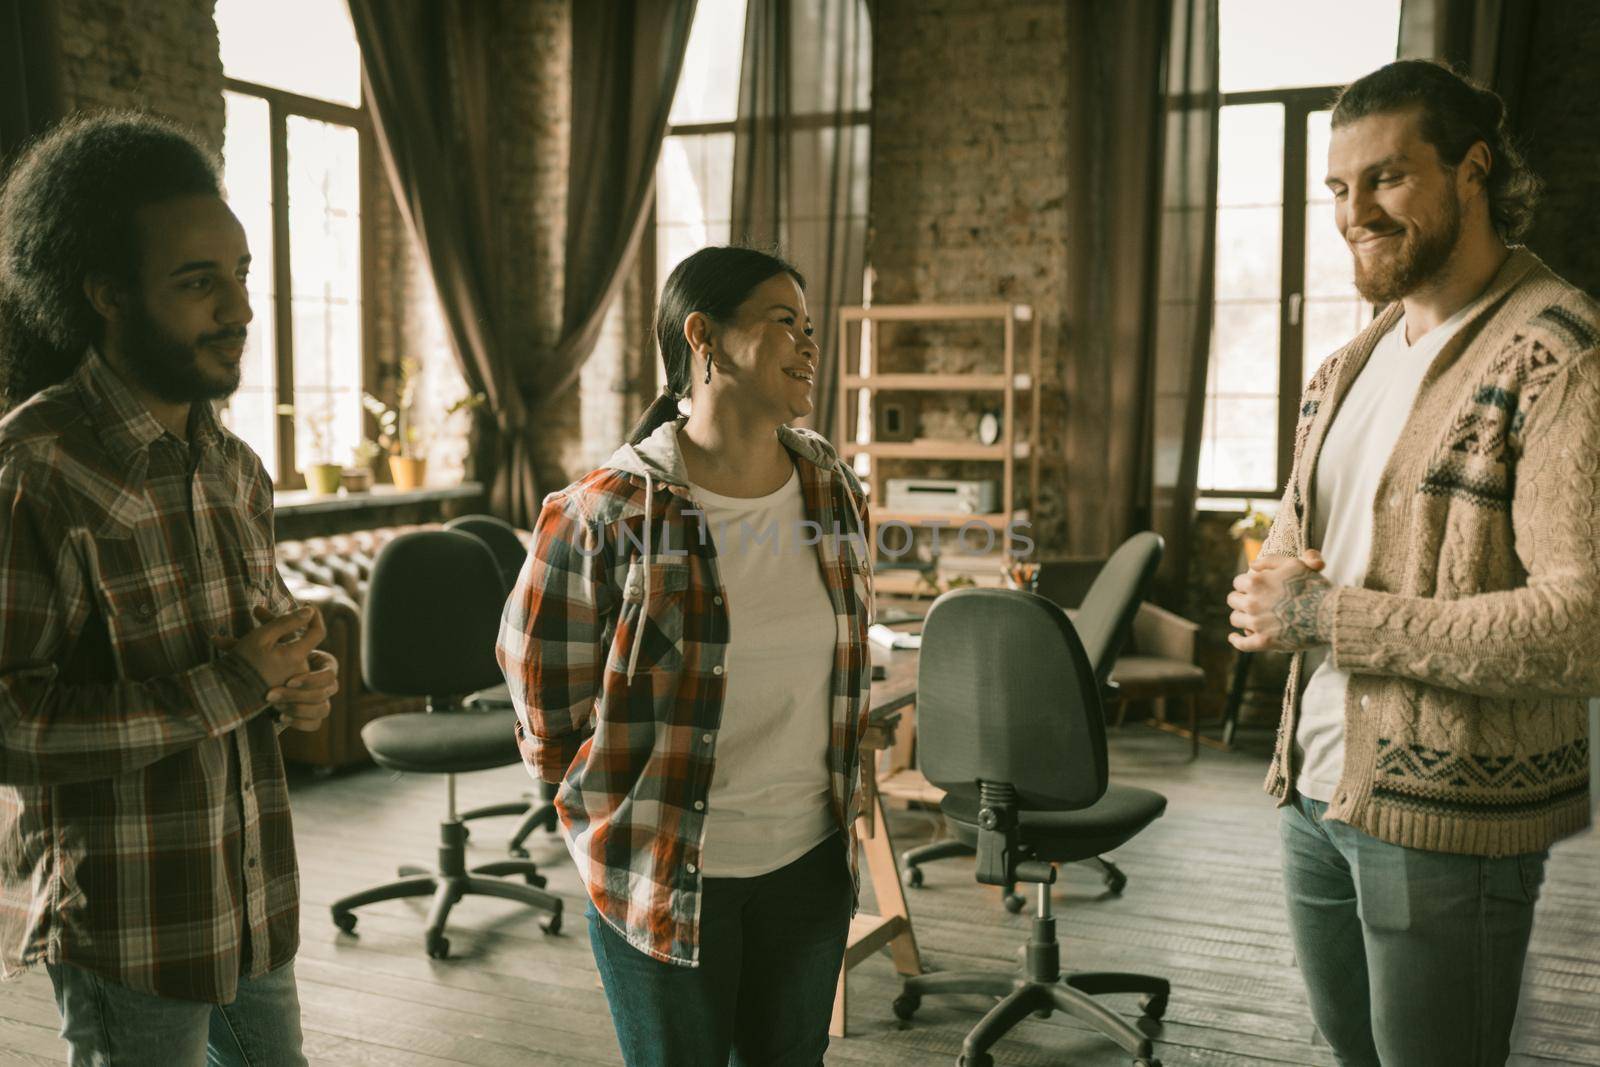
(144, 815)
(613, 645)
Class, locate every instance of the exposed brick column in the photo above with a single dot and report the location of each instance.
(969, 197)
(161, 56)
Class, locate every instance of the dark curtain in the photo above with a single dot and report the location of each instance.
(1487, 39)
(1141, 229)
(800, 157)
(626, 56)
(1114, 122)
(426, 75)
(1185, 257)
(428, 80)
(30, 99)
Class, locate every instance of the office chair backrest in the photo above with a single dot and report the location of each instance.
(432, 615)
(1065, 582)
(1105, 617)
(501, 537)
(1005, 693)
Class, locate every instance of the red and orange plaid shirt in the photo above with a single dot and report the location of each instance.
(144, 815)
(613, 645)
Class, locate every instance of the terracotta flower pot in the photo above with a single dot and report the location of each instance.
(323, 478)
(1252, 549)
(408, 472)
(357, 479)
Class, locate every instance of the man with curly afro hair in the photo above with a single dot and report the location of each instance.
(150, 653)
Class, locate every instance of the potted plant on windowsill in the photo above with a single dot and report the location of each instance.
(1251, 532)
(322, 476)
(399, 436)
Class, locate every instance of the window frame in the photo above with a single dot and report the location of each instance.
(281, 104)
(1298, 105)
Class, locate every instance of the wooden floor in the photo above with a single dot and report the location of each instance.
(1202, 907)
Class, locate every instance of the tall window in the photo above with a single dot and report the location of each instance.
(694, 178)
(294, 150)
(1285, 298)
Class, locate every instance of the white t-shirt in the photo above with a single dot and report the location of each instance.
(769, 802)
(1354, 454)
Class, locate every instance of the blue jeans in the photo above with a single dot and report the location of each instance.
(770, 952)
(1411, 958)
(109, 1025)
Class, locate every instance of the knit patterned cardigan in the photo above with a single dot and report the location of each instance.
(1475, 636)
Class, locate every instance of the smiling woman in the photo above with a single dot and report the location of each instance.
(738, 643)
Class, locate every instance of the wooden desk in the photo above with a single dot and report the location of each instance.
(892, 926)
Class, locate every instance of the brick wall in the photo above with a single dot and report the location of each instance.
(161, 56)
(969, 200)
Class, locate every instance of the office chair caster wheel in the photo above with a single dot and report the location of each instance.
(912, 877)
(517, 853)
(1116, 882)
(1015, 903)
(906, 1005)
(1154, 1005)
(345, 920)
(977, 1059)
(538, 881)
(438, 947)
(1144, 1062)
(551, 924)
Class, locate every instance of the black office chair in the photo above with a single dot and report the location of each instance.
(510, 553)
(1108, 604)
(1026, 786)
(1066, 580)
(428, 627)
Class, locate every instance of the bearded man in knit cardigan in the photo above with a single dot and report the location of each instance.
(1435, 568)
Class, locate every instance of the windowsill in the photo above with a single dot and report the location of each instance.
(301, 502)
(1238, 505)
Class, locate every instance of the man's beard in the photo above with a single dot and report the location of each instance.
(1385, 279)
(168, 367)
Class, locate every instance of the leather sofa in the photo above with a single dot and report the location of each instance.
(332, 573)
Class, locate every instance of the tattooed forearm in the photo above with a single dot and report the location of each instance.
(1304, 622)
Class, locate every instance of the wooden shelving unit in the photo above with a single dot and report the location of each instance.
(1014, 382)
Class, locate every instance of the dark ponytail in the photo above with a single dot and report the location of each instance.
(713, 281)
(662, 410)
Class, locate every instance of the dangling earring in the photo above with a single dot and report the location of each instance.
(708, 366)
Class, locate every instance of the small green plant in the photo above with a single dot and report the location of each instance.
(398, 435)
(317, 423)
(1254, 526)
(931, 583)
